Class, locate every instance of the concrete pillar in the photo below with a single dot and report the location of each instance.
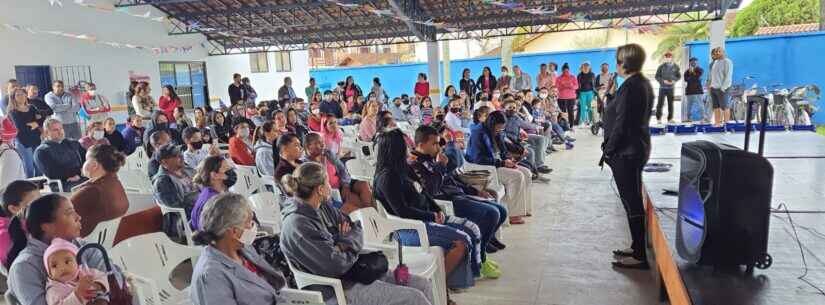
(717, 34)
(445, 59)
(432, 71)
(506, 53)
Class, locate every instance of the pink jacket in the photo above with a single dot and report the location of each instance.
(58, 293)
(5, 239)
(567, 85)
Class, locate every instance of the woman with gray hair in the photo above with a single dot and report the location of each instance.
(319, 239)
(230, 271)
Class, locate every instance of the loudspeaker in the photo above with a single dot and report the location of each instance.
(724, 206)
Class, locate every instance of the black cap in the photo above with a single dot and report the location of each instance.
(168, 151)
(693, 59)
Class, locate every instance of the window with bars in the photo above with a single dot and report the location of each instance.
(258, 63)
(283, 62)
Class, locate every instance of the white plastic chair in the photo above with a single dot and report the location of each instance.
(185, 218)
(151, 258)
(495, 184)
(49, 182)
(295, 296)
(135, 181)
(361, 169)
(445, 205)
(424, 261)
(304, 279)
(138, 160)
(267, 210)
(249, 181)
(104, 233)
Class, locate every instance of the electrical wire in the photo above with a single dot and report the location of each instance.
(801, 251)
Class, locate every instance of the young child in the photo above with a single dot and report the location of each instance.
(68, 283)
(426, 111)
(16, 197)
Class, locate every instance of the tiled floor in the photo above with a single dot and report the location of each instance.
(562, 255)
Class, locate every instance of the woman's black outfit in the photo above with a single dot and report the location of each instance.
(220, 132)
(468, 85)
(492, 85)
(587, 83)
(116, 140)
(626, 149)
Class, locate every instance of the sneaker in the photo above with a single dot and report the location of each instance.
(569, 146)
(540, 178)
(623, 253)
(544, 169)
(570, 139)
(494, 263)
(489, 272)
(490, 249)
(497, 243)
(629, 263)
(516, 220)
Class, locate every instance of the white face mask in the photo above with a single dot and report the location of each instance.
(97, 135)
(543, 95)
(248, 235)
(243, 132)
(91, 92)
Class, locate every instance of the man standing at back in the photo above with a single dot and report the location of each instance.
(11, 85)
(311, 89)
(667, 75)
(520, 81)
(65, 109)
(236, 91)
(720, 78)
(286, 92)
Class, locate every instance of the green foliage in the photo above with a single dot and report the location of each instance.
(677, 35)
(774, 13)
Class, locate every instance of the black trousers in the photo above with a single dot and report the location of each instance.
(567, 106)
(665, 93)
(627, 172)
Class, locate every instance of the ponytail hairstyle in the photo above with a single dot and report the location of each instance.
(304, 180)
(221, 213)
(13, 195)
(261, 131)
(41, 210)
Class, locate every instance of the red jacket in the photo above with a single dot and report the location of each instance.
(240, 152)
(168, 105)
(422, 89)
(567, 85)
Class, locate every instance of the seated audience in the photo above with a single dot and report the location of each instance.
(241, 147)
(289, 150)
(221, 127)
(261, 114)
(16, 197)
(333, 136)
(394, 189)
(102, 197)
(95, 135)
(322, 240)
(195, 152)
(430, 165)
(454, 116)
(96, 105)
(133, 133)
(160, 123)
(173, 183)
(295, 125)
(355, 194)
(215, 176)
(49, 217)
(181, 121)
(487, 147)
(229, 271)
(158, 139)
(114, 136)
(518, 129)
(314, 119)
(279, 119)
(11, 164)
(60, 158)
(366, 129)
(266, 137)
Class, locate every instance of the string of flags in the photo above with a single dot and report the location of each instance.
(110, 8)
(157, 50)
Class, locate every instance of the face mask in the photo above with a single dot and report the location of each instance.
(496, 95)
(316, 111)
(511, 112)
(455, 110)
(248, 235)
(97, 135)
(693, 65)
(439, 117)
(543, 95)
(161, 125)
(197, 145)
(91, 92)
(243, 132)
(231, 179)
(442, 142)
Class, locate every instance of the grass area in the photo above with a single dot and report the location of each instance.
(820, 130)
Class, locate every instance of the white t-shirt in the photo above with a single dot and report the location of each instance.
(192, 159)
(11, 166)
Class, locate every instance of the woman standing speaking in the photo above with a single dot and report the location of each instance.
(626, 147)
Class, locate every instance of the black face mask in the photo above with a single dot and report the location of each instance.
(439, 117)
(231, 178)
(511, 112)
(455, 110)
(161, 125)
(197, 145)
(442, 142)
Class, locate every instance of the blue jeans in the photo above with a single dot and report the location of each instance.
(27, 154)
(537, 154)
(488, 215)
(463, 276)
(695, 107)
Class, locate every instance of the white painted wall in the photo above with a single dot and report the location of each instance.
(219, 71)
(110, 66)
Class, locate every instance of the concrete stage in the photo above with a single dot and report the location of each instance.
(798, 159)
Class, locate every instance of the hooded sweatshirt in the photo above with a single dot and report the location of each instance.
(310, 239)
(265, 158)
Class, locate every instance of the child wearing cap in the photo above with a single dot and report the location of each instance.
(68, 283)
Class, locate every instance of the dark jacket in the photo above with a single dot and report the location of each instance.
(489, 90)
(469, 86)
(60, 160)
(626, 120)
(236, 94)
(133, 138)
(30, 138)
(174, 134)
(480, 147)
(436, 179)
(116, 139)
(399, 196)
(587, 81)
(220, 132)
(42, 108)
(331, 107)
(667, 71)
(171, 192)
(694, 81)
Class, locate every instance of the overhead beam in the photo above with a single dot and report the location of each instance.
(406, 12)
(258, 9)
(128, 3)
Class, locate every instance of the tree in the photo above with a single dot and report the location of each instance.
(675, 37)
(774, 13)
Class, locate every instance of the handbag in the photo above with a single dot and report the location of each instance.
(368, 268)
(401, 272)
(478, 179)
(118, 295)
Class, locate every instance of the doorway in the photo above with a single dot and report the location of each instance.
(189, 81)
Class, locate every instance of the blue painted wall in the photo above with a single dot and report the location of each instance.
(791, 60)
(400, 79)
